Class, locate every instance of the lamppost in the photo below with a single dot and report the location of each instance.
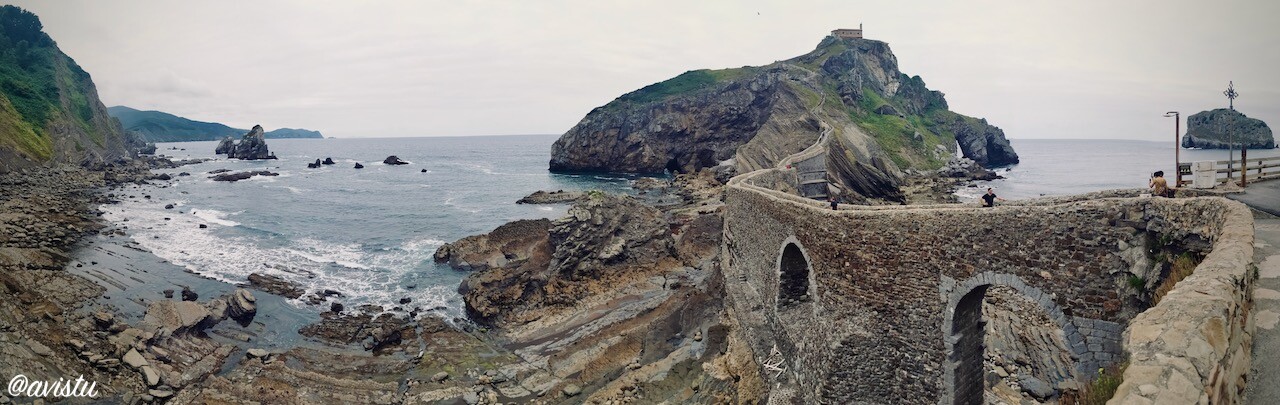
(1177, 147)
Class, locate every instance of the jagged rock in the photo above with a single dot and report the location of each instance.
(1221, 128)
(241, 306)
(188, 295)
(359, 166)
(252, 146)
(514, 241)
(150, 149)
(275, 285)
(133, 359)
(225, 146)
(218, 171)
(315, 165)
(749, 118)
(887, 109)
(327, 161)
(150, 375)
(1036, 387)
(393, 160)
(551, 197)
(600, 234)
(336, 308)
(172, 317)
(242, 175)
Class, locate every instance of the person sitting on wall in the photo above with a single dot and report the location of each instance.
(989, 199)
(1159, 186)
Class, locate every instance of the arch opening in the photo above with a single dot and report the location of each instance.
(1006, 346)
(793, 277)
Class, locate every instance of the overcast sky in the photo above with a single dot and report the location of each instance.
(1037, 69)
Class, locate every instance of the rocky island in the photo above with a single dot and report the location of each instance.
(252, 146)
(881, 123)
(1225, 129)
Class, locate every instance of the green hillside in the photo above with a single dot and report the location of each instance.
(156, 126)
(49, 107)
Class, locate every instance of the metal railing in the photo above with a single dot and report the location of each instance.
(1242, 171)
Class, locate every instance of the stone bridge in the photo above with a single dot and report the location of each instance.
(884, 304)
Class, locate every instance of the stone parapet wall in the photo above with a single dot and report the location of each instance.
(1195, 346)
(885, 282)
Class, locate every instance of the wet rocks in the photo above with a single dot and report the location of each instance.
(327, 161)
(393, 160)
(173, 317)
(252, 146)
(510, 243)
(551, 197)
(257, 353)
(359, 166)
(275, 285)
(241, 306)
(315, 165)
(225, 146)
(188, 295)
(242, 175)
(964, 168)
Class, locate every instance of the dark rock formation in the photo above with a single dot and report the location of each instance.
(188, 295)
(252, 146)
(750, 118)
(1222, 128)
(225, 146)
(509, 244)
(551, 197)
(242, 175)
(393, 160)
(602, 237)
(314, 165)
(359, 166)
(275, 285)
(241, 306)
(328, 161)
(150, 149)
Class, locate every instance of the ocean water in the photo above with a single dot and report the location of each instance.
(1064, 167)
(370, 233)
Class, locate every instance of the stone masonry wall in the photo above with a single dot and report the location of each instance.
(1195, 346)
(887, 283)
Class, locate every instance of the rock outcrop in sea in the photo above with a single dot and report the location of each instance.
(225, 146)
(882, 122)
(252, 146)
(1221, 128)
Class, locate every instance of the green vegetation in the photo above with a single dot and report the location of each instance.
(1179, 269)
(1138, 283)
(36, 82)
(686, 82)
(1101, 389)
(897, 135)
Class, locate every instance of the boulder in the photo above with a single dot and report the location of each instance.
(359, 166)
(150, 149)
(275, 285)
(393, 160)
(133, 359)
(241, 306)
(173, 317)
(252, 146)
(315, 165)
(327, 161)
(257, 353)
(512, 242)
(225, 146)
(1222, 128)
(232, 177)
(188, 295)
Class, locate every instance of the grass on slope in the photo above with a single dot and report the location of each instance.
(897, 135)
(20, 135)
(686, 82)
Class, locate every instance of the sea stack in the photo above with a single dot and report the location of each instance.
(1226, 128)
(252, 146)
(225, 146)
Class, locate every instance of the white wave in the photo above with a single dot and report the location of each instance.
(546, 209)
(214, 217)
(363, 277)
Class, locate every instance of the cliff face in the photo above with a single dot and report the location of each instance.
(1222, 128)
(49, 106)
(752, 117)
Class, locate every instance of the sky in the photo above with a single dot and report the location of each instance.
(1038, 69)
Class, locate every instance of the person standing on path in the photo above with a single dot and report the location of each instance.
(835, 203)
(989, 199)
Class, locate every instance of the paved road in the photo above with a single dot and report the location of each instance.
(1263, 196)
(1264, 376)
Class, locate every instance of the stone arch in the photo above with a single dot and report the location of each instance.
(795, 274)
(964, 329)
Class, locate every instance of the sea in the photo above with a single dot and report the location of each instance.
(370, 233)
